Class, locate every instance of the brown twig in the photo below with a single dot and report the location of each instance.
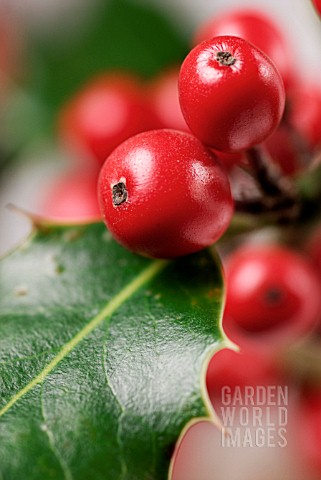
(279, 196)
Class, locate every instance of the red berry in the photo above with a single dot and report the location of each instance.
(256, 28)
(273, 296)
(231, 95)
(292, 143)
(107, 111)
(164, 101)
(229, 371)
(72, 197)
(163, 194)
(305, 113)
(283, 151)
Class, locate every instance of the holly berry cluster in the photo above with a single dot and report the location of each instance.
(236, 150)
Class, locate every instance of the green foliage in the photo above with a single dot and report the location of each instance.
(101, 355)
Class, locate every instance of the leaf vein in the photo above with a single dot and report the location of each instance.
(52, 444)
(122, 410)
(147, 274)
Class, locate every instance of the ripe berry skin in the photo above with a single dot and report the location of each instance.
(163, 194)
(104, 113)
(256, 28)
(273, 295)
(231, 94)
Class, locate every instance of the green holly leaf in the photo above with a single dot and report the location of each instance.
(101, 355)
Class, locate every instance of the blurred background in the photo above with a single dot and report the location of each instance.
(50, 49)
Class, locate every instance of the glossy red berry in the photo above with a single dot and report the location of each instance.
(231, 94)
(163, 194)
(107, 111)
(255, 27)
(273, 296)
(163, 98)
(72, 197)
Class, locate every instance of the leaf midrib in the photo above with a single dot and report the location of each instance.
(130, 289)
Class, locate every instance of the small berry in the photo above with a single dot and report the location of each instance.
(163, 194)
(305, 113)
(231, 94)
(230, 371)
(72, 197)
(273, 296)
(283, 151)
(291, 145)
(163, 98)
(255, 27)
(107, 111)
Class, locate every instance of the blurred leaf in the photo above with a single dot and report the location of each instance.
(22, 118)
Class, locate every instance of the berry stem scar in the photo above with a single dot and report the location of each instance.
(225, 59)
(120, 193)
